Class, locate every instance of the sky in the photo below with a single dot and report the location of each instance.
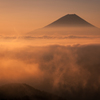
(22, 16)
(50, 62)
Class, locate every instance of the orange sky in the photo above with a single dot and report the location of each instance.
(22, 16)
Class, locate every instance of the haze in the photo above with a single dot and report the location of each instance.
(62, 57)
(22, 16)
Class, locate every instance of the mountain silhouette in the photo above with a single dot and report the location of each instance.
(70, 20)
(71, 24)
(17, 91)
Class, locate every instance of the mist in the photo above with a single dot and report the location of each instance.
(63, 61)
(58, 69)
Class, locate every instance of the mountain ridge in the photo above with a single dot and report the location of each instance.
(70, 24)
(19, 91)
(70, 20)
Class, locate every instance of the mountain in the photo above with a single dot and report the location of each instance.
(70, 20)
(71, 24)
(17, 91)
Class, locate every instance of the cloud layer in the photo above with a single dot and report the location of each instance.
(64, 70)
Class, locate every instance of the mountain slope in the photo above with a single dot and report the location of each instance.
(24, 92)
(70, 20)
(70, 24)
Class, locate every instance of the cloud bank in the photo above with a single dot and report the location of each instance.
(68, 71)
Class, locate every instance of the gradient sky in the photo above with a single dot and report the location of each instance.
(22, 16)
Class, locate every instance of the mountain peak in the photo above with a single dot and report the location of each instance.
(70, 20)
(71, 14)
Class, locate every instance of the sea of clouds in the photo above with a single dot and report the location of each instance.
(68, 71)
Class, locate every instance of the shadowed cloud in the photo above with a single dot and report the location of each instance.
(59, 69)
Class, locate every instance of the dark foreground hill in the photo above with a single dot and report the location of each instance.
(24, 92)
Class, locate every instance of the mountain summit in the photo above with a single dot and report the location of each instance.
(70, 20)
(70, 24)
